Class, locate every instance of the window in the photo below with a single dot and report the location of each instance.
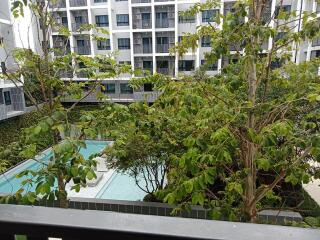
(122, 20)
(79, 19)
(208, 15)
(1, 97)
(109, 88)
(186, 19)
(121, 0)
(123, 43)
(7, 98)
(146, 17)
(209, 67)
(104, 45)
(102, 21)
(280, 35)
(186, 65)
(283, 8)
(3, 67)
(206, 41)
(147, 65)
(64, 21)
(125, 88)
(100, 1)
(148, 87)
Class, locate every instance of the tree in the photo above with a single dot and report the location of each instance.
(251, 126)
(47, 71)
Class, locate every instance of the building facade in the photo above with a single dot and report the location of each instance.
(12, 101)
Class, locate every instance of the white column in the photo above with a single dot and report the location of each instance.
(91, 30)
(176, 17)
(131, 35)
(153, 17)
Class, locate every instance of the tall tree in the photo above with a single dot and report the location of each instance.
(52, 71)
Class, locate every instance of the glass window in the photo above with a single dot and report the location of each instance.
(104, 45)
(109, 88)
(283, 8)
(209, 67)
(3, 67)
(147, 65)
(125, 88)
(186, 65)
(123, 43)
(7, 97)
(186, 19)
(206, 41)
(148, 87)
(102, 21)
(208, 15)
(1, 97)
(100, 1)
(122, 19)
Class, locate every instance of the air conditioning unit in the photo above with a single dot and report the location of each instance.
(137, 17)
(139, 65)
(171, 15)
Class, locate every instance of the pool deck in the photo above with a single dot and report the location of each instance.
(90, 192)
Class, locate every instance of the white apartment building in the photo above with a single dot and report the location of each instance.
(12, 101)
(143, 31)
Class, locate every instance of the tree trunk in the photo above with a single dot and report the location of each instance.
(249, 151)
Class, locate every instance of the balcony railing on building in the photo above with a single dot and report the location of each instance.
(43, 222)
(162, 23)
(77, 25)
(142, 23)
(58, 4)
(163, 48)
(140, 1)
(166, 71)
(65, 74)
(78, 3)
(316, 42)
(83, 50)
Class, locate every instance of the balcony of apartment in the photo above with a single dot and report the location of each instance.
(12, 102)
(164, 41)
(142, 43)
(165, 65)
(140, 1)
(79, 18)
(58, 4)
(78, 3)
(83, 46)
(164, 16)
(316, 42)
(36, 222)
(65, 74)
(61, 45)
(141, 18)
(143, 64)
(61, 20)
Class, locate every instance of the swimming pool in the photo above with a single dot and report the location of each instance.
(121, 186)
(10, 184)
(117, 185)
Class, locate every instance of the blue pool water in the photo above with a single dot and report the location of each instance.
(10, 184)
(121, 186)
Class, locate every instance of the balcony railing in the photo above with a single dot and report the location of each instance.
(83, 50)
(166, 71)
(316, 42)
(163, 48)
(42, 222)
(162, 23)
(76, 26)
(78, 3)
(141, 1)
(58, 4)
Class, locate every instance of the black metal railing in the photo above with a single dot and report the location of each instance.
(42, 222)
(78, 3)
(83, 50)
